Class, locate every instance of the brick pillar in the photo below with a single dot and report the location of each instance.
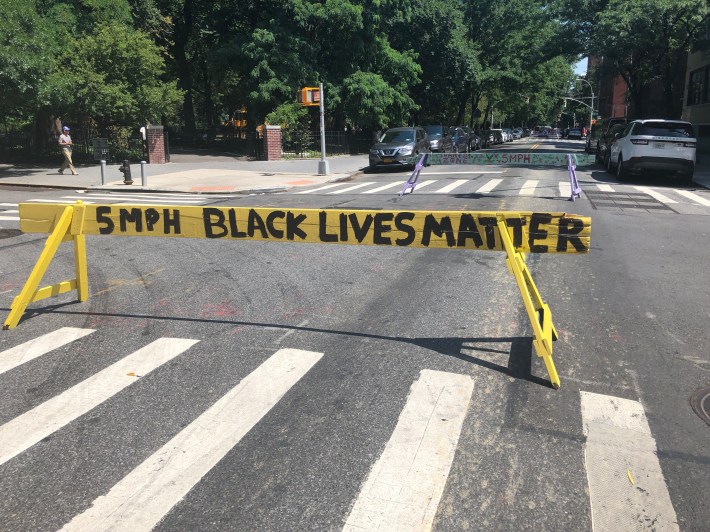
(272, 143)
(155, 138)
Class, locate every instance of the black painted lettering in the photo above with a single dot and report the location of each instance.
(489, 223)
(439, 228)
(569, 228)
(343, 227)
(152, 216)
(134, 216)
(399, 222)
(360, 231)
(292, 229)
(234, 231)
(207, 218)
(382, 227)
(102, 217)
(169, 221)
(256, 223)
(537, 220)
(273, 215)
(468, 229)
(323, 234)
(517, 225)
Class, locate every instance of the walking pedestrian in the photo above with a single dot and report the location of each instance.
(65, 144)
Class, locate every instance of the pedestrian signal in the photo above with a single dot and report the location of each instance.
(308, 96)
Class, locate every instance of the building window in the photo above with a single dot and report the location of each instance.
(696, 92)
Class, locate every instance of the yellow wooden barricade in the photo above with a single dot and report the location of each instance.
(515, 233)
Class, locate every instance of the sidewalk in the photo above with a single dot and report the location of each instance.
(193, 173)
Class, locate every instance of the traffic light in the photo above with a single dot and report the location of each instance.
(308, 96)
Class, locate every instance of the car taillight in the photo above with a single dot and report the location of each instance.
(689, 144)
(639, 141)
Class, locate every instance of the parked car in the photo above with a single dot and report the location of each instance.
(497, 136)
(517, 133)
(459, 139)
(439, 138)
(508, 134)
(574, 134)
(474, 141)
(400, 146)
(600, 130)
(606, 141)
(654, 145)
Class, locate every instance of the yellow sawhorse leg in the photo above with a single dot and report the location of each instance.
(544, 332)
(67, 227)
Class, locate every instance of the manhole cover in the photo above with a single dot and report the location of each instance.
(700, 401)
(625, 200)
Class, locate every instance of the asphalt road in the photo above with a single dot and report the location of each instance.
(373, 333)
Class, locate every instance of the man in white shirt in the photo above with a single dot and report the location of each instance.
(65, 144)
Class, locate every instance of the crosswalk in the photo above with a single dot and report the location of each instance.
(405, 483)
(699, 200)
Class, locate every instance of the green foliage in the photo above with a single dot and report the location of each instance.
(115, 77)
(290, 115)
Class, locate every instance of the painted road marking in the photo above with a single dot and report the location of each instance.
(385, 187)
(18, 355)
(656, 195)
(354, 187)
(493, 183)
(9, 218)
(8, 204)
(474, 172)
(626, 484)
(143, 497)
(423, 184)
(452, 186)
(694, 197)
(83, 199)
(132, 199)
(529, 187)
(565, 189)
(403, 489)
(29, 428)
(325, 187)
(605, 188)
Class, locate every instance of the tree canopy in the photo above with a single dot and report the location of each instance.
(382, 62)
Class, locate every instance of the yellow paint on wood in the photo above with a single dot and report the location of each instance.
(543, 232)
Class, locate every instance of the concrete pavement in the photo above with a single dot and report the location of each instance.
(217, 174)
(192, 173)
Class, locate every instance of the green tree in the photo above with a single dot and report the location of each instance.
(646, 40)
(114, 77)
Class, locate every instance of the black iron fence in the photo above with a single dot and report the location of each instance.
(307, 144)
(112, 146)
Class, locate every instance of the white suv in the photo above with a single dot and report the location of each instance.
(666, 146)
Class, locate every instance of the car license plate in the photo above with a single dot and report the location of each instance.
(659, 145)
(387, 160)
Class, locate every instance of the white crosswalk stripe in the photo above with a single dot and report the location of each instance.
(350, 189)
(405, 482)
(403, 489)
(397, 184)
(11, 358)
(528, 188)
(694, 197)
(448, 188)
(143, 497)
(626, 484)
(488, 187)
(24, 431)
(656, 195)
(605, 188)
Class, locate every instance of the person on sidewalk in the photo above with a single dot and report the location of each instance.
(65, 144)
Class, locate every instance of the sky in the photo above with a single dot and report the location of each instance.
(581, 68)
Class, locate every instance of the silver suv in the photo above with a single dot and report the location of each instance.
(400, 146)
(666, 146)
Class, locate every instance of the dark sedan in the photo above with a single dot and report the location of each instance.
(574, 134)
(400, 146)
